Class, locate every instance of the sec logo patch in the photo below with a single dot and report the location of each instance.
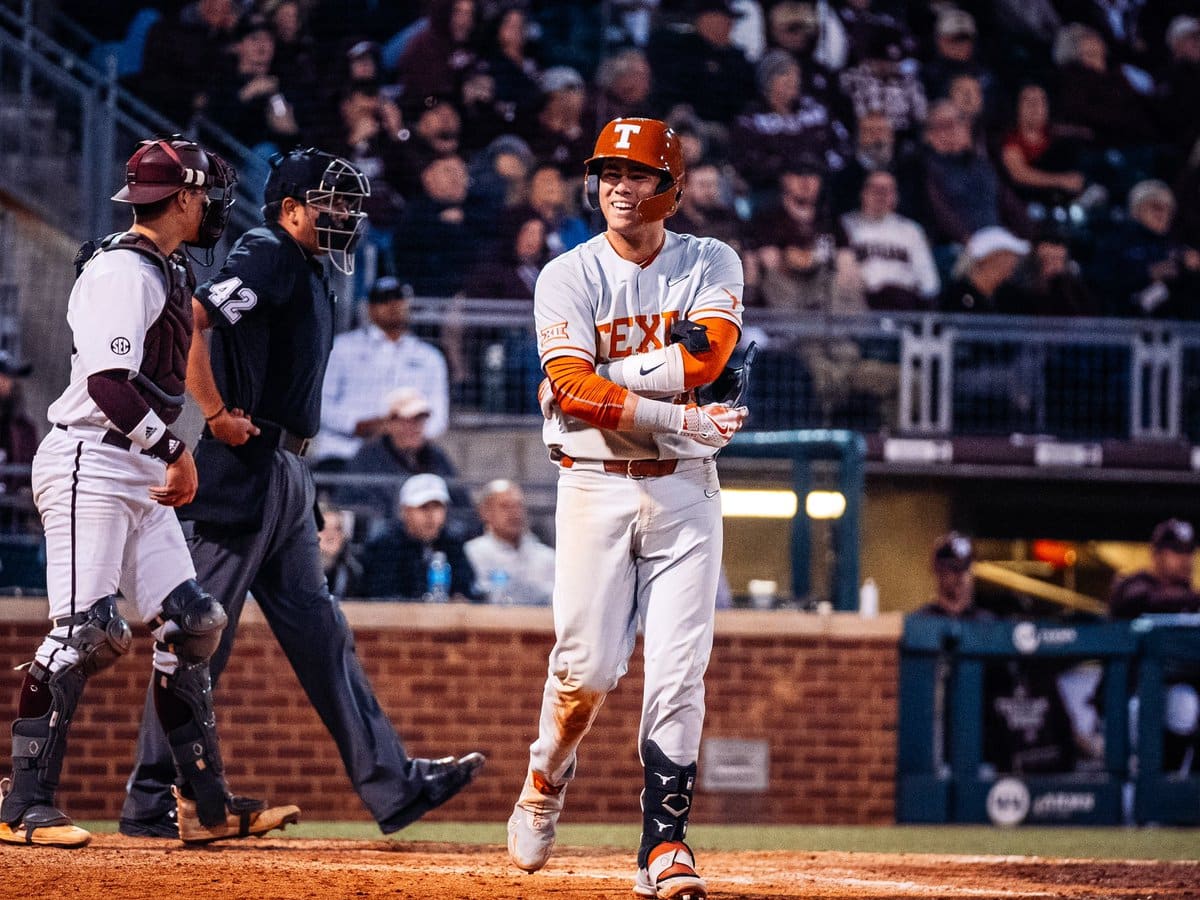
(120, 346)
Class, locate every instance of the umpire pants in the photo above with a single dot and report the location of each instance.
(281, 566)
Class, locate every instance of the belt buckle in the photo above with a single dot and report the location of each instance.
(629, 472)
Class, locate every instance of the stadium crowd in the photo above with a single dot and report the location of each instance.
(1060, 134)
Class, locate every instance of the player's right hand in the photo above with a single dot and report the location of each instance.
(181, 482)
(233, 427)
(713, 425)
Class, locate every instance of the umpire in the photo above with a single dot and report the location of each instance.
(254, 520)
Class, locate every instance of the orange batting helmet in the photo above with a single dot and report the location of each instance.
(648, 142)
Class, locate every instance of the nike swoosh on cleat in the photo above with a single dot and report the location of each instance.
(710, 494)
(644, 371)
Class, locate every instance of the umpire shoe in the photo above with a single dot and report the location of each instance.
(244, 817)
(438, 780)
(531, 827)
(164, 826)
(42, 826)
(670, 874)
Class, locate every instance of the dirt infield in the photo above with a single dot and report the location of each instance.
(130, 869)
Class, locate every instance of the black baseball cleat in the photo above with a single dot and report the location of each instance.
(440, 780)
(163, 826)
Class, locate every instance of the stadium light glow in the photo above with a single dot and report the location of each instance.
(750, 504)
(825, 504)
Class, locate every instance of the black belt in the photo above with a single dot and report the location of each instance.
(278, 436)
(114, 439)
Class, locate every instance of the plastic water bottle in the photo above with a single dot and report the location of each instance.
(498, 594)
(868, 599)
(438, 579)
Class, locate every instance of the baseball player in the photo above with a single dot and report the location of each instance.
(105, 480)
(271, 312)
(629, 323)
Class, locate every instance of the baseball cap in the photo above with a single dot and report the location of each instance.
(389, 288)
(955, 22)
(560, 78)
(11, 367)
(791, 14)
(953, 552)
(994, 239)
(294, 174)
(1181, 27)
(1174, 534)
(251, 23)
(407, 403)
(421, 489)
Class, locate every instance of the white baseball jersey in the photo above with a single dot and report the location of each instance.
(892, 252)
(112, 305)
(593, 305)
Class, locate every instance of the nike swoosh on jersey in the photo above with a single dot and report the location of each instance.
(710, 494)
(671, 281)
(644, 371)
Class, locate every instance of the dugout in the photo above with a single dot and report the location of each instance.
(987, 731)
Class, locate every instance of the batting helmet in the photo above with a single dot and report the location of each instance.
(162, 167)
(333, 187)
(649, 142)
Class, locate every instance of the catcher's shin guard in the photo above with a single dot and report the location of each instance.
(99, 637)
(666, 800)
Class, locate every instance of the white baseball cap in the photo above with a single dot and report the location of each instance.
(1180, 27)
(421, 489)
(994, 239)
(407, 403)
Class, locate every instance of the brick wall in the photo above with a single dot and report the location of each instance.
(821, 690)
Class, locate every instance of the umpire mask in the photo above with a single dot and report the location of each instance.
(341, 222)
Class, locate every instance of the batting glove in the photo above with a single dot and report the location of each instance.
(713, 425)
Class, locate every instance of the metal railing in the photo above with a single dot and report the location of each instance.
(912, 373)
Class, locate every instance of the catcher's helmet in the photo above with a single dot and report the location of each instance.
(162, 167)
(333, 187)
(647, 141)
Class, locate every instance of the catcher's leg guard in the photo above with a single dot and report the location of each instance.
(95, 639)
(193, 623)
(666, 800)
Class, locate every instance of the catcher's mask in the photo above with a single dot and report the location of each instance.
(331, 186)
(164, 166)
(649, 142)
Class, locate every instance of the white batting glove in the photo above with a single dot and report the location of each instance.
(546, 400)
(713, 425)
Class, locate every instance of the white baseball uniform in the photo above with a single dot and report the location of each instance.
(104, 534)
(630, 549)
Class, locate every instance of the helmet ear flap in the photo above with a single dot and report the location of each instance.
(591, 191)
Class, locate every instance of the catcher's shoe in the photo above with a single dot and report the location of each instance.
(670, 874)
(439, 780)
(533, 821)
(244, 817)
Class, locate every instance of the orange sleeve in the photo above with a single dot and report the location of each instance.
(703, 369)
(584, 395)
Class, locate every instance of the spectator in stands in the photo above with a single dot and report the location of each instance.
(783, 124)
(1167, 587)
(1097, 97)
(18, 440)
(1038, 156)
(625, 83)
(511, 273)
(439, 52)
(954, 55)
(343, 571)
(1179, 85)
(185, 55)
(400, 450)
(885, 79)
(556, 134)
(435, 131)
(369, 362)
(965, 92)
(439, 236)
(505, 53)
(793, 26)
(704, 209)
(954, 596)
(396, 562)
(894, 259)
(983, 271)
(801, 212)
(961, 192)
(295, 63)
(700, 67)
(550, 200)
(512, 565)
(250, 104)
(1048, 282)
(1139, 269)
(874, 149)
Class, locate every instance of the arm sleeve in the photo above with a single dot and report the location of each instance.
(584, 395)
(704, 368)
(117, 398)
